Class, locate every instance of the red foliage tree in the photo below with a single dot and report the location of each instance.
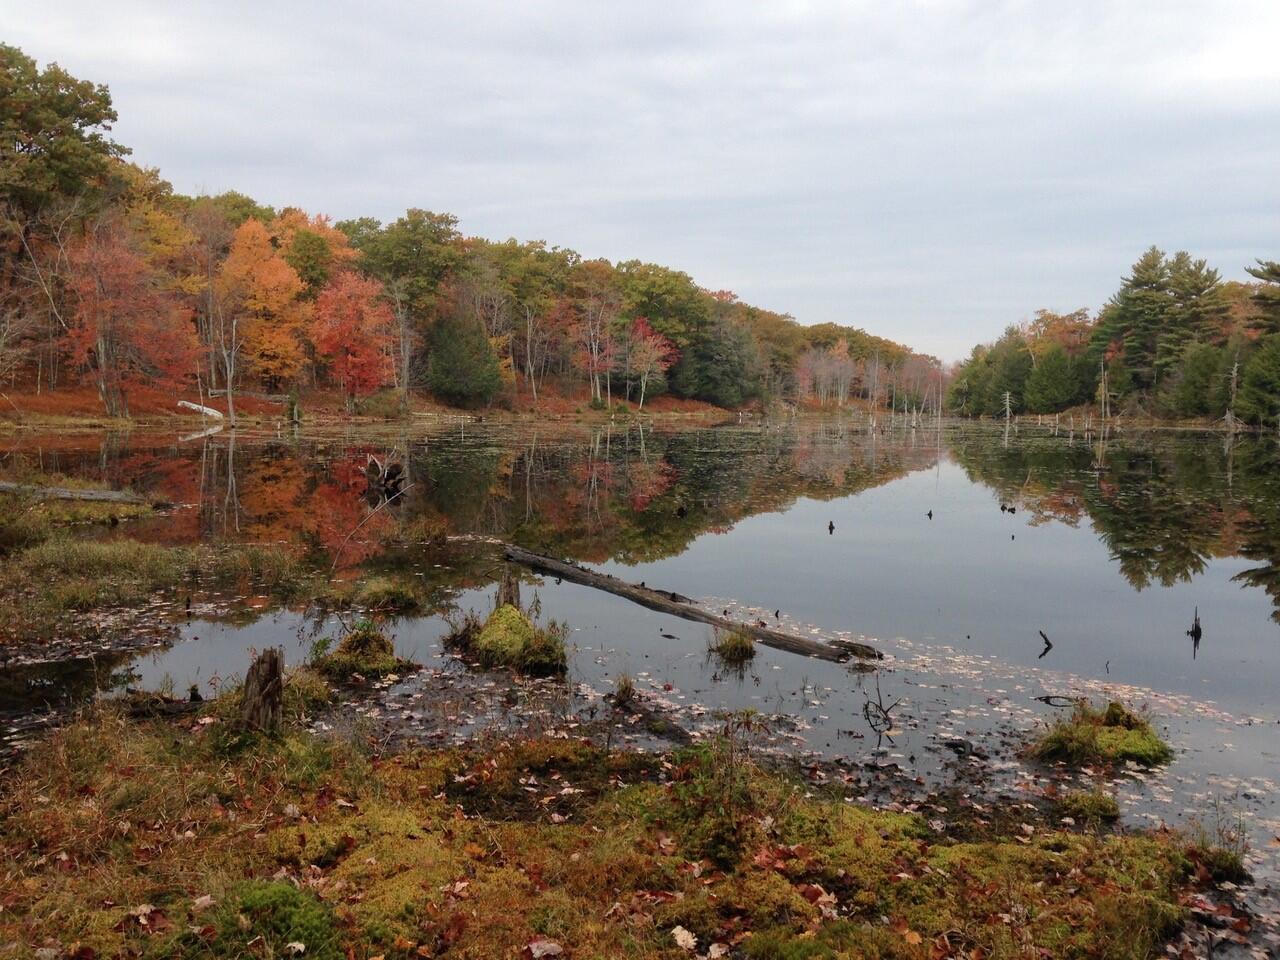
(650, 355)
(352, 332)
(125, 329)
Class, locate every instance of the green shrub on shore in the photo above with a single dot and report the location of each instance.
(1111, 735)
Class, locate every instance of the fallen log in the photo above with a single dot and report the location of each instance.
(200, 409)
(67, 493)
(666, 601)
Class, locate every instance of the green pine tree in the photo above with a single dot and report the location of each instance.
(1259, 398)
(1267, 298)
(1052, 384)
(463, 368)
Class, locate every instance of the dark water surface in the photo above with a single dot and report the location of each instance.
(1111, 548)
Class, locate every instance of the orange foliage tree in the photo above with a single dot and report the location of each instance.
(261, 308)
(124, 328)
(352, 332)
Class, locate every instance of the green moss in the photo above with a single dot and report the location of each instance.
(364, 651)
(1112, 735)
(261, 919)
(510, 639)
(385, 857)
(1089, 806)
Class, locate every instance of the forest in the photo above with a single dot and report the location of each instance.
(111, 279)
(1175, 341)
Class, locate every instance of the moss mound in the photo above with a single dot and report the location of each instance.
(510, 639)
(366, 651)
(1089, 806)
(1111, 735)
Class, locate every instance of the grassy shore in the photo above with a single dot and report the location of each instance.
(192, 839)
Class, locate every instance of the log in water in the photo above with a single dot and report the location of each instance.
(666, 601)
(66, 493)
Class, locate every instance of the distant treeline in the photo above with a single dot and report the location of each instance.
(1174, 341)
(110, 277)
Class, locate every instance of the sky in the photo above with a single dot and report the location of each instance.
(929, 171)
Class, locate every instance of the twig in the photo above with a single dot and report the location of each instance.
(337, 554)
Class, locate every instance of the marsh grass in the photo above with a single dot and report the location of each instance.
(732, 647)
(1217, 845)
(1114, 734)
(385, 595)
(44, 585)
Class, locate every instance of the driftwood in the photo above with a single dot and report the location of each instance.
(66, 493)
(263, 703)
(666, 601)
(201, 409)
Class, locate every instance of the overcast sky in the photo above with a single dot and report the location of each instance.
(929, 171)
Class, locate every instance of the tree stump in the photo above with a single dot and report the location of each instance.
(508, 590)
(264, 692)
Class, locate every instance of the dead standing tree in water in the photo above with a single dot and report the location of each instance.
(263, 703)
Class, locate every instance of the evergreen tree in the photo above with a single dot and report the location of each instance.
(1052, 384)
(1135, 318)
(1194, 390)
(463, 368)
(1267, 298)
(1259, 398)
(1198, 314)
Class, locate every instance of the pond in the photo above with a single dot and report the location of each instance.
(952, 549)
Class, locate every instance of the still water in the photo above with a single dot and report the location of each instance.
(1110, 547)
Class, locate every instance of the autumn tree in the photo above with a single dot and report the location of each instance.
(601, 305)
(649, 354)
(124, 328)
(258, 311)
(411, 257)
(352, 332)
(312, 246)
